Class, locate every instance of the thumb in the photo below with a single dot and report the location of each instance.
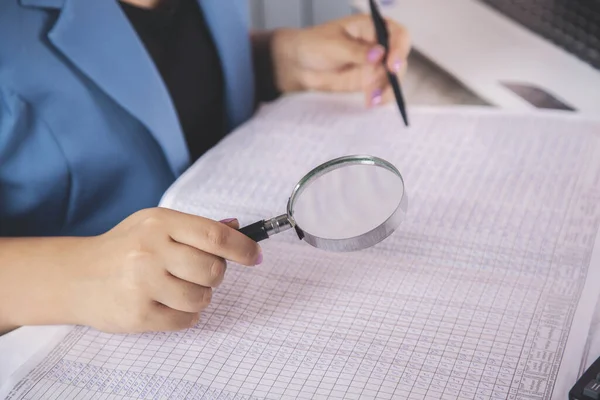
(231, 222)
(349, 50)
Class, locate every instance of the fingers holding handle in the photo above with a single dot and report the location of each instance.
(216, 238)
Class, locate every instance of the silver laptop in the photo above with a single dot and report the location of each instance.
(517, 54)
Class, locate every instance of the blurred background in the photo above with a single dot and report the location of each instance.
(512, 54)
(269, 14)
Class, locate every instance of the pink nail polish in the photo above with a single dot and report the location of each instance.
(375, 53)
(259, 260)
(376, 97)
(397, 65)
(228, 220)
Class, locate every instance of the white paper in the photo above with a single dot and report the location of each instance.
(484, 292)
(24, 346)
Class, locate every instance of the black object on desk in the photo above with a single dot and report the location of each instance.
(588, 386)
(573, 25)
(383, 39)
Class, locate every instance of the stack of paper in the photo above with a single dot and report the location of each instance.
(486, 290)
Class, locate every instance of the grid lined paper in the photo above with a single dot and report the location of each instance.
(473, 298)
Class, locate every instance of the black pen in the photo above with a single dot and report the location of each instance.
(383, 39)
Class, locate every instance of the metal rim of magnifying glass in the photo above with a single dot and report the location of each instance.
(365, 240)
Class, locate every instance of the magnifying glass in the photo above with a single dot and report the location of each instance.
(346, 204)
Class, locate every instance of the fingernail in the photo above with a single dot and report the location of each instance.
(376, 97)
(375, 53)
(259, 260)
(228, 220)
(397, 65)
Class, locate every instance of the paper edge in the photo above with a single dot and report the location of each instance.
(53, 336)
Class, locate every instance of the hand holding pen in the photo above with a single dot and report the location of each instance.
(342, 55)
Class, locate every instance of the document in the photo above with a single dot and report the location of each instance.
(486, 291)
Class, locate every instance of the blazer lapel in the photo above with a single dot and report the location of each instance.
(99, 40)
(228, 22)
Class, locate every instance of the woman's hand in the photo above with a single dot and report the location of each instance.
(155, 271)
(340, 56)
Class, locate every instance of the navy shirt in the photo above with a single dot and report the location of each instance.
(177, 38)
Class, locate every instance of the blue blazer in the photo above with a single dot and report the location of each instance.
(88, 133)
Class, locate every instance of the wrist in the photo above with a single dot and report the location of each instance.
(287, 69)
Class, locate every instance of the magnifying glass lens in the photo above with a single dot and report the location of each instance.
(348, 202)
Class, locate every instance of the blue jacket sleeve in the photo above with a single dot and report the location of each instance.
(31, 191)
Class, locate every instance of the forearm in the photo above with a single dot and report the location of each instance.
(34, 281)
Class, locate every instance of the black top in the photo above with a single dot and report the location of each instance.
(177, 38)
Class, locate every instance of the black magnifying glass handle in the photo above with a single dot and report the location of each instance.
(264, 229)
(256, 231)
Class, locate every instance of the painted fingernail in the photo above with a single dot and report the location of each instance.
(375, 53)
(376, 97)
(259, 260)
(228, 220)
(397, 65)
